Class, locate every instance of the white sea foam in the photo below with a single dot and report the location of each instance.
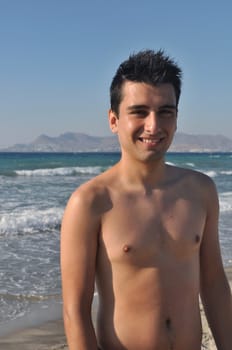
(69, 171)
(215, 156)
(226, 172)
(210, 173)
(213, 173)
(225, 199)
(29, 221)
(190, 164)
(227, 194)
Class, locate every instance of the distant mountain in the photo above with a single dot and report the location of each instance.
(201, 143)
(68, 142)
(78, 142)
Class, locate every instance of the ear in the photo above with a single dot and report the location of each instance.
(176, 120)
(113, 121)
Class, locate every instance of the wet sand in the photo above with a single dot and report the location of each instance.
(50, 335)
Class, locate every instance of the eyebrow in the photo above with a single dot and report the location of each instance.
(133, 107)
(168, 107)
(137, 107)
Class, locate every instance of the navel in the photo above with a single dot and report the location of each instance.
(197, 238)
(168, 323)
(126, 248)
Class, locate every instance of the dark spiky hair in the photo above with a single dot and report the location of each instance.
(148, 66)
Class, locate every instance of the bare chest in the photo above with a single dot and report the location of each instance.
(143, 231)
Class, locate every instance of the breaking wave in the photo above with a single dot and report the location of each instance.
(29, 221)
(70, 171)
(225, 199)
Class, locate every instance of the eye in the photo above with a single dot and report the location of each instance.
(167, 113)
(140, 113)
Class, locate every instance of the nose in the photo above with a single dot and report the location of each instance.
(152, 124)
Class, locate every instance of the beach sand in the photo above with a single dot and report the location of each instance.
(50, 335)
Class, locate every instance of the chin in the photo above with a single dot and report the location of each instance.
(154, 156)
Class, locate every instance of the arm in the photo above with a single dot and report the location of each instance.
(215, 289)
(79, 233)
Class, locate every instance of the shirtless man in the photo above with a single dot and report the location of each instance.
(145, 231)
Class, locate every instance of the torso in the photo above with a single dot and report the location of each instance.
(148, 266)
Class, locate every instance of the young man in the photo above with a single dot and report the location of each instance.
(147, 232)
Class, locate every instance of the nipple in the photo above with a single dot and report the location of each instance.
(126, 248)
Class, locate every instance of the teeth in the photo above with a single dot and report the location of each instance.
(150, 140)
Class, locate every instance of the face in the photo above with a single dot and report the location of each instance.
(147, 120)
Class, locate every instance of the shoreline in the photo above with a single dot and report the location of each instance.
(41, 334)
(49, 334)
(38, 315)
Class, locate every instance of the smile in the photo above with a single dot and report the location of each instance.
(150, 141)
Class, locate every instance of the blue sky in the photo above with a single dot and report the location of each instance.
(58, 58)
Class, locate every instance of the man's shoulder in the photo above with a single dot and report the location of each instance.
(192, 177)
(93, 194)
(194, 186)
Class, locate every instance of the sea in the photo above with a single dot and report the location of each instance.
(34, 189)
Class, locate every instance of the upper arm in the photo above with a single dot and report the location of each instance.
(79, 237)
(210, 253)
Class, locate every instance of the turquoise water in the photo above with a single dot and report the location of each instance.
(34, 192)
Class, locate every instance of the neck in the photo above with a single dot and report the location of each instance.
(145, 174)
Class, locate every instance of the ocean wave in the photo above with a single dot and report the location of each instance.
(29, 297)
(227, 194)
(8, 173)
(30, 221)
(226, 172)
(190, 164)
(225, 200)
(210, 173)
(215, 156)
(69, 171)
(214, 173)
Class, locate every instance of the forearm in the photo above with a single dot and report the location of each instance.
(80, 333)
(218, 308)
